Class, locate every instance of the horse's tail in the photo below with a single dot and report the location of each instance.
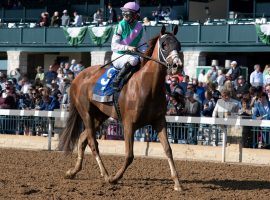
(70, 135)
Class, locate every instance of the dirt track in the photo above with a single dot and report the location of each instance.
(39, 175)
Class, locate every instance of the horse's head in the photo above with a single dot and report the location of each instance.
(170, 49)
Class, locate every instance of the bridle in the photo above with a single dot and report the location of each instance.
(173, 55)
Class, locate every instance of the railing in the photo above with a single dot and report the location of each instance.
(181, 130)
(225, 37)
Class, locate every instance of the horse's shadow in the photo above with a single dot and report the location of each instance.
(226, 184)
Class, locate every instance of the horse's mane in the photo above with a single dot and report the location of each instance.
(150, 49)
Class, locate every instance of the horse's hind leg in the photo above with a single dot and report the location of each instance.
(82, 143)
(160, 127)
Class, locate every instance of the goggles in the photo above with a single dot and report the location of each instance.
(127, 14)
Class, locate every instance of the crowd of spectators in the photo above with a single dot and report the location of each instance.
(48, 91)
(218, 93)
(215, 93)
(73, 18)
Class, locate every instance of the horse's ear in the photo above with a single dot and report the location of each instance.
(163, 30)
(175, 29)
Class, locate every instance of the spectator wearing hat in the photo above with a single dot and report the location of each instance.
(65, 19)
(49, 102)
(235, 71)
(256, 77)
(241, 88)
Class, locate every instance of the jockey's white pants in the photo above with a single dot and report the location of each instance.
(119, 63)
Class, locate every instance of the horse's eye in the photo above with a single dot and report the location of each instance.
(164, 46)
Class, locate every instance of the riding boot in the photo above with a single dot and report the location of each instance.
(122, 73)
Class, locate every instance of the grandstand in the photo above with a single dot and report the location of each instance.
(229, 34)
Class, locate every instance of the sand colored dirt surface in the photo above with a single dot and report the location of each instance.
(39, 175)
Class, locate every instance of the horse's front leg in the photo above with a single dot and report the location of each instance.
(82, 143)
(160, 127)
(129, 156)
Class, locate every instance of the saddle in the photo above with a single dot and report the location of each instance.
(103, 89)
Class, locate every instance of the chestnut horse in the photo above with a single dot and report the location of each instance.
(142, 102)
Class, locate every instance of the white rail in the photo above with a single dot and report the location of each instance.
(173, 119)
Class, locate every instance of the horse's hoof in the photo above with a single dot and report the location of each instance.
(112, 180)
(178, 188)
(69, 175)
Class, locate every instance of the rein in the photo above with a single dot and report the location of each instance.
(148, 57)
(120, 56)
(138, 53)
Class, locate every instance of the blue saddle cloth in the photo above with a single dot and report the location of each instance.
(103, 90)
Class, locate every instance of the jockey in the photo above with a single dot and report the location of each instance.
(128, 35)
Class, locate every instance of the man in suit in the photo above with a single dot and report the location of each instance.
(112, 18)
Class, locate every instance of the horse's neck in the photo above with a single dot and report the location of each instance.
(155, 73)
(159, 71)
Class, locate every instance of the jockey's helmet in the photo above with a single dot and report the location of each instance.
(131, 7)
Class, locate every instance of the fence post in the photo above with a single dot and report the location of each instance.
(50, 135)
(224, 143)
